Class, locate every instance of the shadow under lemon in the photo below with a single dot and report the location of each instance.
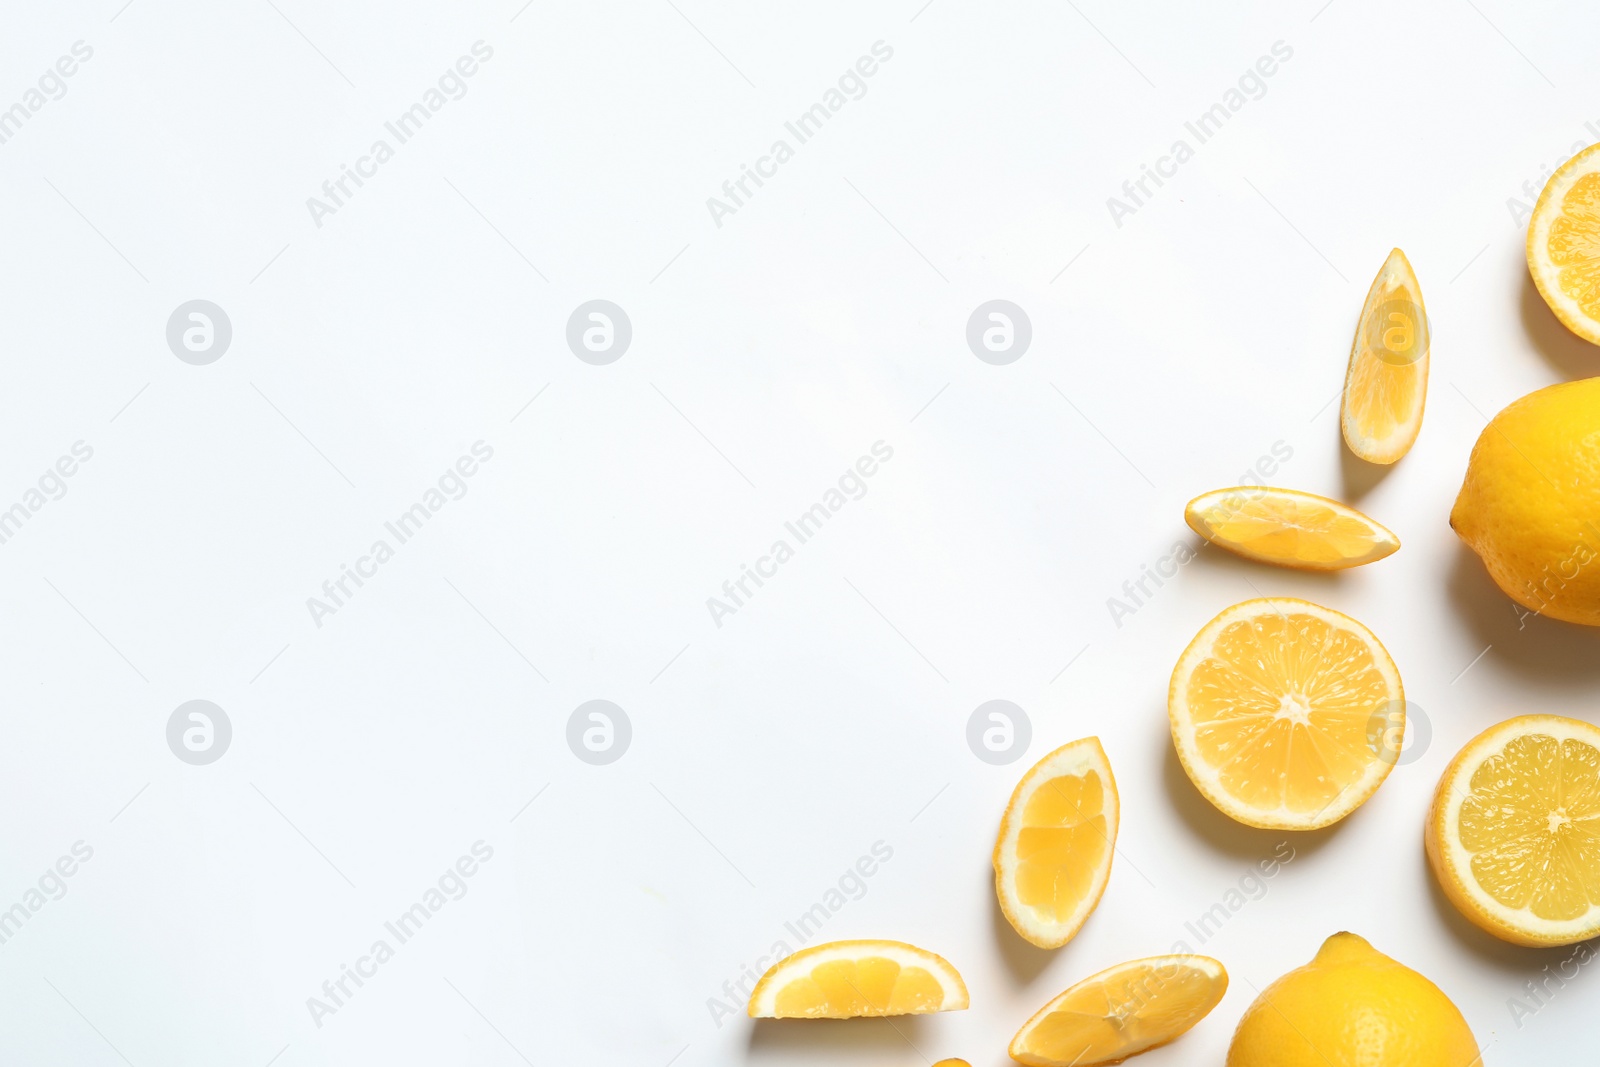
(1513, 960)
(1521, 642)
(821, 1040)
(1213, 557)
(1564, 350)
(1023, 959)
(1357, 477)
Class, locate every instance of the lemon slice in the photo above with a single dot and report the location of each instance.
(1514, 832)
(1281, 710)
(1386, 383)
(1564, 244)
(1121, 1011)
(1053, 856)
(856, 979)
(1288, 528)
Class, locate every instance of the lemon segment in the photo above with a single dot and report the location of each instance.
(1564, 244)
(1122, 1011)
(1278, 710)
(1514, 832)
(1052, 857)
(856, 979)
(1386, 382)
(1289, 528)
(1353, 1005)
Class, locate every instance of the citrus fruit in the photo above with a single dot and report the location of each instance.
(1514, 832)
(1530, 504)
(1352, 1006)
(854, 979)
(1564, 244)
(1121, 1011)
(1274, 708)
(1057, 836)
(1288, 528)
(1386, 383)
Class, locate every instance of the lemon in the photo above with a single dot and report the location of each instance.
(1386, 383)
(1514, 832)
(1564, 244)
(1052, 857)
(858, 979)
(1277, 706)
(1122, 1011)
(1530, 504)
(1289, 528)
(1352, 1006)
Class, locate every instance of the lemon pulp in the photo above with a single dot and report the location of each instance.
(1063, 842)
(1281, 709)
(1531, 820)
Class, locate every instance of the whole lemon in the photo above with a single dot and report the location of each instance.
(1530, 505)
(1352, 1006)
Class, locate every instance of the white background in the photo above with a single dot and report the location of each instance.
(827, 314)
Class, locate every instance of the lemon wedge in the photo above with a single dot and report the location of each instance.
(1289, 528)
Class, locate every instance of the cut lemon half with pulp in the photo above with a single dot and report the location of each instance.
(1122, 1011)
(1288, 528)
(1564, 244)
(858, 979)
(1514, 832)
(1053, 856)
(1284, 713)
(1386, 383)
